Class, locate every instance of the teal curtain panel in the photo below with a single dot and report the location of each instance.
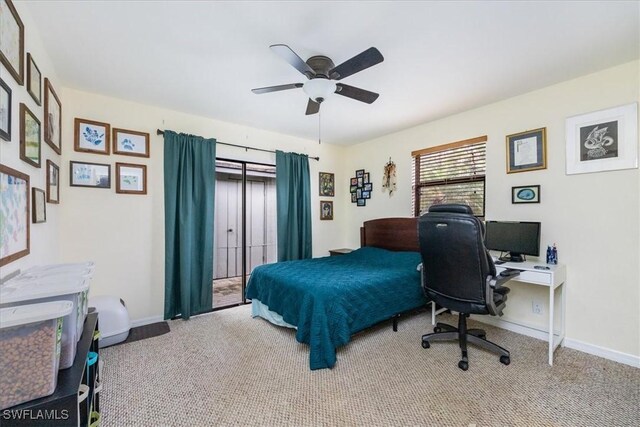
(293, 194)
(189, 195)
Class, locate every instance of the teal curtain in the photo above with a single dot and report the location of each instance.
(293, 194)
(189, 186)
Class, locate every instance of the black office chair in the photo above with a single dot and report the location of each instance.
(458, 273)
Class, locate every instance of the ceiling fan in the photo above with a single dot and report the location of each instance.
(321, 71)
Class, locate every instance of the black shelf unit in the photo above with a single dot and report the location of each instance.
(61, 408)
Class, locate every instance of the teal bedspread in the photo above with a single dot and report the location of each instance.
(331, 298)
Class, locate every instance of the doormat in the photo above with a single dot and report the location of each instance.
(146, 331)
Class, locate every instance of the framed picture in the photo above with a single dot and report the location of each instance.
(327, 184)
(14, 209)
(52, 118)
(366, 194)
(368, 186)
(94, 175)
(360, 173)
(130, 143)
(354, 181)
(53, 183)
(91, 136)
(353, 189)
(354, 198)
(30, 147)
(366, 177)
(360, 182)
(39, 213)
(34, 80)
(131, 179)
(361, 202)
(326, 210)
(12, 41)
(603, 140)
(5, 111)
(525, 194)
(359, 193)
(527, 151)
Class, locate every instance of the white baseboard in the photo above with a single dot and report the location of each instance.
(146, 321)
(532, 331)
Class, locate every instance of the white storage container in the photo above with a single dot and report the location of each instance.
(30, 339)
(113, 318)
(59, 288)
(67, 268)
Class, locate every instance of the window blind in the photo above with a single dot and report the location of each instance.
(450, 173)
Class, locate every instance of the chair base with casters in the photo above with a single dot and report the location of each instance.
(444, 332)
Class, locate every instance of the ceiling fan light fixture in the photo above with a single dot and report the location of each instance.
(319, 89)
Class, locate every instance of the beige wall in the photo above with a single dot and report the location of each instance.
(594, 218)
(44, 236)
(124, 234)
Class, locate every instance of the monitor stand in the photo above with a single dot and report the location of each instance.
(512, 257)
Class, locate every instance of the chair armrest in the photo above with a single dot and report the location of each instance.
(494, 284)
(419, 267)
(497, 281)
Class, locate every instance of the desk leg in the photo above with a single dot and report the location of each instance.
(563, 302)
(551, 310)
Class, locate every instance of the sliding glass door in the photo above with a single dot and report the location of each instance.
(245, 227)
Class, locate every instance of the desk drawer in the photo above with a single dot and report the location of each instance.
(535, 277)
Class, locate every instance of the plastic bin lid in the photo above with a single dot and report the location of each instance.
(52, 274)
(16, 291)
(25, 314)
(69, 266)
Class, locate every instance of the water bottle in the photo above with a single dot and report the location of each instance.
(554, 254)
(549, 255)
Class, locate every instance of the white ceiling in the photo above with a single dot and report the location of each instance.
(441, 58)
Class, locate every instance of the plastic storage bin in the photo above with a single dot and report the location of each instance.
(113, 317)
(67, 268)
(30, 340)
(55, 288)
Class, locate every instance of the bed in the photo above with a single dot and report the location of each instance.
(329, 299)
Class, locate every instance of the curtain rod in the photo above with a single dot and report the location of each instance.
(161, 132)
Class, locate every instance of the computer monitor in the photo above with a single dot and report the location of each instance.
(515, 238)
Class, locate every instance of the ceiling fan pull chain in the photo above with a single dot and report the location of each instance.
(319, 127)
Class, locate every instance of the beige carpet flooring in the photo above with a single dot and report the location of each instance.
(228, 369)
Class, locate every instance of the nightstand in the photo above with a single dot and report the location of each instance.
(342, 251)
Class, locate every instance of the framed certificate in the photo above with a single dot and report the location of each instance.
(527, 151)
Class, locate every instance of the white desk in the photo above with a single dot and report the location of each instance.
(554, 279)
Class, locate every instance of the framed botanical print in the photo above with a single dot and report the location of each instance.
(527, 151)
(131, 178)
(130, 142)
(603, 140)
(11, 41)
(94, 175)
(30, 147)
(91, 136)
(14, 228)
(52, 118)
(53, 183)
(39, 213)
(34, 80)
(5, 111)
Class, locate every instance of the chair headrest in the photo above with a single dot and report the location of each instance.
(451, 208)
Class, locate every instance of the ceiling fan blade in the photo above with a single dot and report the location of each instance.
(276, 88)
(312, 107)
(356, 93)
(285, 52)
(362, 61)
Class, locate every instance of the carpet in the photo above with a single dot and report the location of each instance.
(226, 368)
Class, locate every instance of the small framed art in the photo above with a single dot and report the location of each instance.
(34, 80)
(91, 136)
(53, 183)
(5, 111)
(14, 228)
(360, 173)
(131, 178)
(327, 184)
(361, 202)
(94, 175)
(527, 151)
(525, 194)
(130, 143)
(12, 41)
(39, 213)
(30, 147)
(326, 210)
(603, 140)
(52, 118)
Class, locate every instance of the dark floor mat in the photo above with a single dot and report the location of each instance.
(146, 331)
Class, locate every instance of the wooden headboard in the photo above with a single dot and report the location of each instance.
(394, 234)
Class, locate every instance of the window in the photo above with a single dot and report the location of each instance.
(450, 173)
